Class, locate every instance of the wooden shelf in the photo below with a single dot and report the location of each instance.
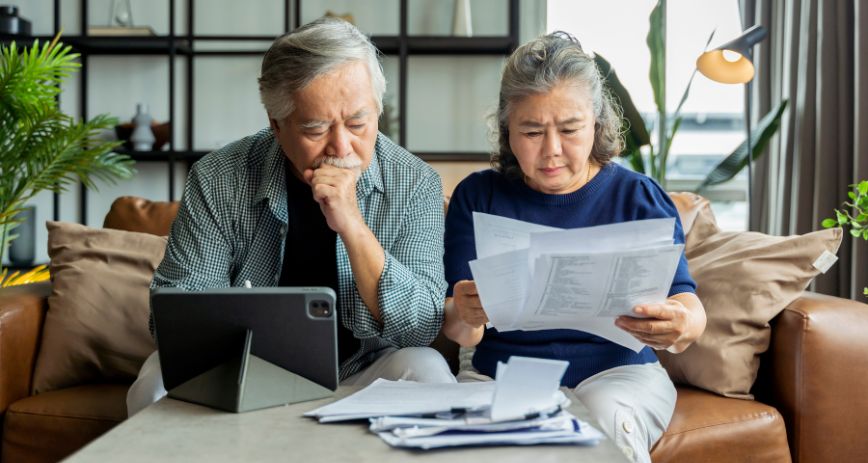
(183, 49)
(192, 156)
(161, 45)
(459, 45)
(159, 156)
(123, 45)
(453, 156)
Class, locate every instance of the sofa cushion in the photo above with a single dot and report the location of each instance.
(744, 279)
(136, 214)
(96, 327)
(50, 426)
(697, 219)
(706, 427)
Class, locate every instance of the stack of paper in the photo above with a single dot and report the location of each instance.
(532, 277)
(522, 407)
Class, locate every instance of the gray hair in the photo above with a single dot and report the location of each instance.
(538, 66)
(297, 58)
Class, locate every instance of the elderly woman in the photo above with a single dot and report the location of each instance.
(557, 131)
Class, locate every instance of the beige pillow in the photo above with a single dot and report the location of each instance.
(96, 328)
(744, 279)
(697, 220)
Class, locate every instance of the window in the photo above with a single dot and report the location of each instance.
(713, 123)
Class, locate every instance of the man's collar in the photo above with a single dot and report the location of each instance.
(273, 186)
(372, 177)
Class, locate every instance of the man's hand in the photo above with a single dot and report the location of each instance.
(668, 324)
(335, 191)
(467, 304)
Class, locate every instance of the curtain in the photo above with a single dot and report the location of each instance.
(816, 56)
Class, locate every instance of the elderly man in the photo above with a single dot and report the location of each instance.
(320, 199)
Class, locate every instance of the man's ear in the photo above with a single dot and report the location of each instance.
(274, 125)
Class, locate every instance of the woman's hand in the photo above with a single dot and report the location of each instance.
(465, 318)
(468, 305)
(672, 325)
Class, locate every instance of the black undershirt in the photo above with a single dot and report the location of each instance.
(309, 255)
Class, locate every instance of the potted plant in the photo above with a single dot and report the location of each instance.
(853, 214)
(636, 134)
(41, 148)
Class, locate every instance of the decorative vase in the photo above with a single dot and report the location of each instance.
(11, 23)
(121, 14)
(461, 24)
(142, 137)
(22, 250)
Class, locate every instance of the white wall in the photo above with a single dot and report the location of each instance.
(447, 103)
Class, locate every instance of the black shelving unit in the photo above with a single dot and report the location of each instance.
(176, 45)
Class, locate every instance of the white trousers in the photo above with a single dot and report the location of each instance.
(422, 364)
(632, 404)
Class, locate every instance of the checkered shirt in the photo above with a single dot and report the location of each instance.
(232, 225)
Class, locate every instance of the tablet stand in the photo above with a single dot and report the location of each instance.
(246, 382)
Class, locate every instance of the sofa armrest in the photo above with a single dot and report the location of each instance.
(22, 310)
(818, 377)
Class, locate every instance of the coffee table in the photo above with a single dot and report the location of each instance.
(172, 430)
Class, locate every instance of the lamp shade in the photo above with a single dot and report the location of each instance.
(715, 65)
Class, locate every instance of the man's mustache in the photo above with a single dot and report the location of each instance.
(347, 162)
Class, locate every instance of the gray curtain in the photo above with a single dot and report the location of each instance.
(816, 56)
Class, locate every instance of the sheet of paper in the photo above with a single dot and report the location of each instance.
(603, 327)
(502, 282)
(568, 289)
(396, 398)
(496, 235)
(417, 427)
(532, 277)
(612, 237)
(526, 385)
(571, 431)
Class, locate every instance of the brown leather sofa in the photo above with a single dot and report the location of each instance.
(811, 407)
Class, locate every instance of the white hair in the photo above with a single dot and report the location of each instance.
(297, 58)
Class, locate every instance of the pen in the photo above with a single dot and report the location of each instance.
(543, 414)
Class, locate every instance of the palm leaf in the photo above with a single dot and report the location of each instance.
(657, 46)
(632, 124)
(40, 147)
(735, 162)
(34, 275)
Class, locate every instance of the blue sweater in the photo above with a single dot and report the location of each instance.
(614, 195)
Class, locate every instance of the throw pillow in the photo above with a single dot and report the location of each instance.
(744, 279)
(697, 220)
(96, 327)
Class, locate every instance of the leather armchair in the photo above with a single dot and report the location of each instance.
(810, 407)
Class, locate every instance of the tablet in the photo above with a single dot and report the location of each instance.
(211, 343)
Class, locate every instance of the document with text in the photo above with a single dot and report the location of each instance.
(532, 277)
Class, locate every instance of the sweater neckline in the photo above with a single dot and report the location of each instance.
(577, 196)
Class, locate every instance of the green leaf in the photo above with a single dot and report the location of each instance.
(40, 147)
(863, 187)
(657, 46)
(661, 177)
(842, 217)
(865, 291)
(636, 134)
(856, 233)
(735, 162)
(637, 162)
(851, 195)
(830, 223)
